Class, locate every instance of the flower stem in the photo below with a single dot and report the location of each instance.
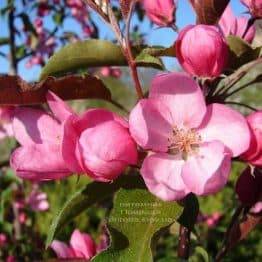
(129, 56)
(184, 242)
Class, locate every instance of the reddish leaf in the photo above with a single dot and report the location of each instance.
(15, 91)
(209, 11)
(241, 229)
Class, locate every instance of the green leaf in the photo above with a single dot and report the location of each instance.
(134, 224)
(246, 76)
(144, 59)
(81, 200)
(200, 254)
(4, 41)
(240, 51)
(89, 53)
(190, 212)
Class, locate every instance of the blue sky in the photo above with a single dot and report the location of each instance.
(163, 36)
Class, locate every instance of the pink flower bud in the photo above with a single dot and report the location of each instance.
(3, 240)
(254, 154)
(202, 50)
(161, 12)
(254, 6)
(98, 143)
(248, 186)
(232, 25)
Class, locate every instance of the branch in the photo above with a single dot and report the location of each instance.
(184, 243)
(11, 26)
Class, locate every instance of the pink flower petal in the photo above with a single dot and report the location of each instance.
(151, 124)
(39, 162)
(162, 175)
(70, 150)
(83, 243)
(62, 250)
(207, 171)
(59, 108)
(33, 126)
(226, 125)
(109, 141)
(183, 97)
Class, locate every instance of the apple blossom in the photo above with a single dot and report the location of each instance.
(81, 246)
(254, 6)
(237, 26)
(191, 144)
(98, 143)
(39, 134)
(254, 153)
(160, 12)
(201, 50)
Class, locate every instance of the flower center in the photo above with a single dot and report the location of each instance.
(184, 141)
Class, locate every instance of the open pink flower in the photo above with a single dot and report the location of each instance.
(191, 143)
(201, 50)
(232, 25)
(254, 6)
(160, 12)
(81, 246)
(254, 153)
(40, 135)
(98, 143)
(6, 115)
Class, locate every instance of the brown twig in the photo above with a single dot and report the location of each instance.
(128, 53)
(11, 26)
(225, 246)
(184, 242)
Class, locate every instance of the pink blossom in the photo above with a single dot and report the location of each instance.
(3, 240)
(111, 71)
(37, 200)
(10, 259)
(160, 12)
(98, 143)
(6, 115)
(210, 220)
(22, 217)
(254, 153)
(254, 6)
(191, 144)
(81, 246)
(201, 50)
(40, 136)
(237, 26)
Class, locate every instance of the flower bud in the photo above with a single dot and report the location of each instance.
(160, 12)
(254, 6)
(237, 26)
(101, 144)
(201, 50)
(248, 186)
